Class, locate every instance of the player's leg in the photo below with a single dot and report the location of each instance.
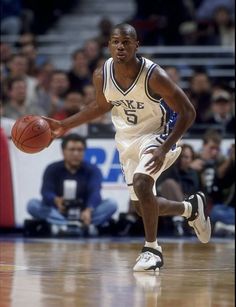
(151, 208)
(151, 254)
(193, 208)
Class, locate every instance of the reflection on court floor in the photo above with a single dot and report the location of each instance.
(98, 273)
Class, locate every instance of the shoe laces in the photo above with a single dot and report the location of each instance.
(145, 256)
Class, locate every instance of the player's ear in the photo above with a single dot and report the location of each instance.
(137, 45)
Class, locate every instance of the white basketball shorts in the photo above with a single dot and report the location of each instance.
(133, 159)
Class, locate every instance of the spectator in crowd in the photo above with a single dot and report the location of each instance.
(73, 104)
(52, 100)
(26, 38)
(224, 29)
(207, 163)
(5, 56)
(105, 25)
(35, 61)
(158, 21)
(93, 53)
(207, 8)
(221, 112)
(174, 73)
(44, 76)
(71, 192)
(16, 106)
(223, 213)
(200, 95)
(179, 181)
(18, 68)
(101, 126)
(79, 75)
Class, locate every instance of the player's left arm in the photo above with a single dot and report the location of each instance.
(173, 95)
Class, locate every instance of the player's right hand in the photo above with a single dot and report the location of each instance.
(55, 126)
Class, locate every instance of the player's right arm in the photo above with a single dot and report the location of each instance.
(92, 111)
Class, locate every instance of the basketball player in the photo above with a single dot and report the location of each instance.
(131, 87)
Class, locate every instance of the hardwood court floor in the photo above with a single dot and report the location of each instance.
(98, 273)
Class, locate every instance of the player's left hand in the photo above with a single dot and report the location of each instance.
(157, 160)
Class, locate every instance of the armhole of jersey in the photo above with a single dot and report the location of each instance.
(163, 119)
(148, 75)
(104, 77)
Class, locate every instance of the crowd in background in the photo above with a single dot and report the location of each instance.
(31, 84)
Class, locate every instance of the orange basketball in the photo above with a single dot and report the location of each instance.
(31, 133)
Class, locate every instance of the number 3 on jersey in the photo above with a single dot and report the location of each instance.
(132, 118)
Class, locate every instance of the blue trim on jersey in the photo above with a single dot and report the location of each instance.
(132, 85)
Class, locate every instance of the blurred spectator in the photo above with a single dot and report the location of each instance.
(71, 192)
(105, 25)
(224, 29)
(200, 95)
(18, 68)
(5, 52)
(79, 75)
(101, 126)
(52, 100)
(44, 76)
(72, 105)
(16, 106)
(180, 181)
(89, 94)
(158, 22)
(93, 53)
(11, 17)
(223, 213)
(221, 112)
(35, 61)
(208, 7)
(26, 39)
(174, 73)
(207, 163)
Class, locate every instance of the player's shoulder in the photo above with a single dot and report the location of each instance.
(158, 75)
(99, 72)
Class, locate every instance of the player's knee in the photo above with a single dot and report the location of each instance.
(142, 185)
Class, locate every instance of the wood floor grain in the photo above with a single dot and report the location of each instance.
(98, 273)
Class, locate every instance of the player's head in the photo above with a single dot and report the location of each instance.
(73, 148)
(123, 43)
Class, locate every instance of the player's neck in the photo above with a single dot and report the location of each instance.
(130, 69)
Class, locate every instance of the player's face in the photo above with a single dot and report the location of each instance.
(73, 153)
(122, 47)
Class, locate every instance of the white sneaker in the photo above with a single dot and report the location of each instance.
(149, 259)
(199, 219)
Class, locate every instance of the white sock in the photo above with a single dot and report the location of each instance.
(187, 209)
(151, 244)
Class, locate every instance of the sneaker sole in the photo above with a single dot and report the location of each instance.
(152, 268)
(202, 214)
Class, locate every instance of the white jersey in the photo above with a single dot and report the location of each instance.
(135, 112)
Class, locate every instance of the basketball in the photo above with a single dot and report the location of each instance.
(31, 134)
